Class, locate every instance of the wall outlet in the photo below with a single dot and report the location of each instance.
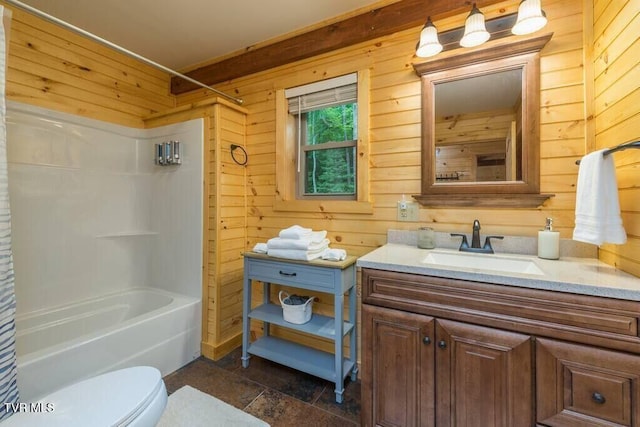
(407, 211)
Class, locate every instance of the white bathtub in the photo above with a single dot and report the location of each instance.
(141, 326)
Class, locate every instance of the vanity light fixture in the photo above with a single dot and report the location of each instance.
(475, 32)
(429, 44)
(531, 18)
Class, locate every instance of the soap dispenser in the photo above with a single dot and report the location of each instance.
(548, 242)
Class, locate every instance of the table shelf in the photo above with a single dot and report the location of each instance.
(323, 326)
(335, 278)
(297, 356)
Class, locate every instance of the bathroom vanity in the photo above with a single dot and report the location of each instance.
(508, 341)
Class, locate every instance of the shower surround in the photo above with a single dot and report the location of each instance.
(95, 222)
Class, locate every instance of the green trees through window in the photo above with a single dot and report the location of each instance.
(329, 151)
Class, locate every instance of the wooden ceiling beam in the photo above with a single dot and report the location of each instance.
(380, 22)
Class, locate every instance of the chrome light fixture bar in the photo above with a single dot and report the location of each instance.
(530, 18)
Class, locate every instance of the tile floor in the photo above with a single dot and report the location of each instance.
(274, 393)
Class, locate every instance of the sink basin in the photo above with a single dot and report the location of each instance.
(495, 263)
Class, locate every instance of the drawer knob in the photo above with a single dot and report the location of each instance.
(426, 340)
(284, 273)
(442, 344)
(598, 398)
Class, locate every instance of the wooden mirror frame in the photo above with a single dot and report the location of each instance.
(525, 193)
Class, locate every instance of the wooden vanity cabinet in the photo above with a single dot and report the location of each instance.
(483, 376)
(428, 372)
(585, 386)
(398, 349)
(444, 352)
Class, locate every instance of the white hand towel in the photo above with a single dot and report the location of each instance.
(598, 218)
(295, 254)
(260, 248)
(318, 236)
(296, 232)
(334, 254)
(302, 244)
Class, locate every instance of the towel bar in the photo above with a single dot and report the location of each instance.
(626, 145)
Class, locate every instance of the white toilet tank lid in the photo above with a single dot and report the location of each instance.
(111, 399)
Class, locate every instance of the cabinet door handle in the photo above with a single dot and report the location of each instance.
(426, 340)
(284, 273)
(598, 398)
(442, 344)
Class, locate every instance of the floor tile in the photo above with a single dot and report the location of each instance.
(349, 408)
(232, 361)
(275, 393)
(208, 378)
(299, 385)
(281, 410)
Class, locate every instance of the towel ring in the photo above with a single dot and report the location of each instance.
(233, 156)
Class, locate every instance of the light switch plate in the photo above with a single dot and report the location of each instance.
(408, 211)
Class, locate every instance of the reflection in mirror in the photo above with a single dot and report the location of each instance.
(478, 133)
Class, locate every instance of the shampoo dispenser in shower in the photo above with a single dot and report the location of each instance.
(548, 242)
(168, 153)
(175, 146)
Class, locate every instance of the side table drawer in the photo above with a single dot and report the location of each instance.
(581, 385)
(287, 273)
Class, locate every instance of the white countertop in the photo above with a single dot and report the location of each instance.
(586, 276)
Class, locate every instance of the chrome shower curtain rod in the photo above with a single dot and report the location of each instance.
(114, 46)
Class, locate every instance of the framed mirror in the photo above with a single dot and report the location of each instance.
(481, 127)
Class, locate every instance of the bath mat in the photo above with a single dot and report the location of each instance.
(189, 407)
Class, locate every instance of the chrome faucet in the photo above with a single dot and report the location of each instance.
(475, 241)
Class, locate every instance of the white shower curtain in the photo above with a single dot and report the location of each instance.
(8, 369)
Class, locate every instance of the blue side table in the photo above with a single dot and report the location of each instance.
(336, 278)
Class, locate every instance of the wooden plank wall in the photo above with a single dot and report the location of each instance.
(395, 137)
(229, 229)
(617, 114)
(225, 220)
(54, 68)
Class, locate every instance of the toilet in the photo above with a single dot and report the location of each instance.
(134, 397)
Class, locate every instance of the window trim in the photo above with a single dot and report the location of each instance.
(286, 151)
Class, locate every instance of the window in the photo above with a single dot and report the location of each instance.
(337, 179)
(326, 133)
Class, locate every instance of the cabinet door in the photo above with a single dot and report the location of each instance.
(579, 385)
(484, 376)
(397, 364)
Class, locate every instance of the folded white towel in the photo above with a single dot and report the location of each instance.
(334, 254)
(295, 254)
(296, 232)
(260, 248)
(318, 236)
(598, 218)
(302, 244)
